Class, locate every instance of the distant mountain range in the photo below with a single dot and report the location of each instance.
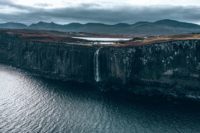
(161, 27)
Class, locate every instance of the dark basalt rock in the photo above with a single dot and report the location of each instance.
(168, 68)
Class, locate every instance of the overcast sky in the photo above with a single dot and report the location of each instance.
(105, 11)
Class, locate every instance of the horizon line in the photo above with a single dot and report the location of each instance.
(97, 22)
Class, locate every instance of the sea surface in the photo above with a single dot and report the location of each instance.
(35, 105)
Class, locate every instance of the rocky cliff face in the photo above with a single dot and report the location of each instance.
(168, 68)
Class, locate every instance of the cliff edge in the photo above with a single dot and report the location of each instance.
(154, 66)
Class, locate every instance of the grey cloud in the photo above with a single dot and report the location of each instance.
(10, 4)
(91, 13)
(17, 6)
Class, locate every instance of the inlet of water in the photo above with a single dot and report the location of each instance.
(36, 105)
(103, 39)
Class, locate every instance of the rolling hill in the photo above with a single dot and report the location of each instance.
(161, 27)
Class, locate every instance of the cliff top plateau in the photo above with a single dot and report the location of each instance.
(68, 37)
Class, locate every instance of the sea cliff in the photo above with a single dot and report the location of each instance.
(169, 68)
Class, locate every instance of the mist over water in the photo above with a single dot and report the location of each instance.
(32, 104)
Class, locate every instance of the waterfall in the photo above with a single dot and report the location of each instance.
(96, 65)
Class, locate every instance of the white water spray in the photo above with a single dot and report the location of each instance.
(96, 64)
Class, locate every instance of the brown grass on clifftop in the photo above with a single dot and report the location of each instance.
(65, 37)
(159, 39)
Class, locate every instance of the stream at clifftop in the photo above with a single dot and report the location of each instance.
(36, 105)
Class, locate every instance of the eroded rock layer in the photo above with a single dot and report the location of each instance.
(164, 68)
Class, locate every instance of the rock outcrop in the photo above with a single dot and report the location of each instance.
(169, 68)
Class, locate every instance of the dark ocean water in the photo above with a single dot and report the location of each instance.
(31, 104)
